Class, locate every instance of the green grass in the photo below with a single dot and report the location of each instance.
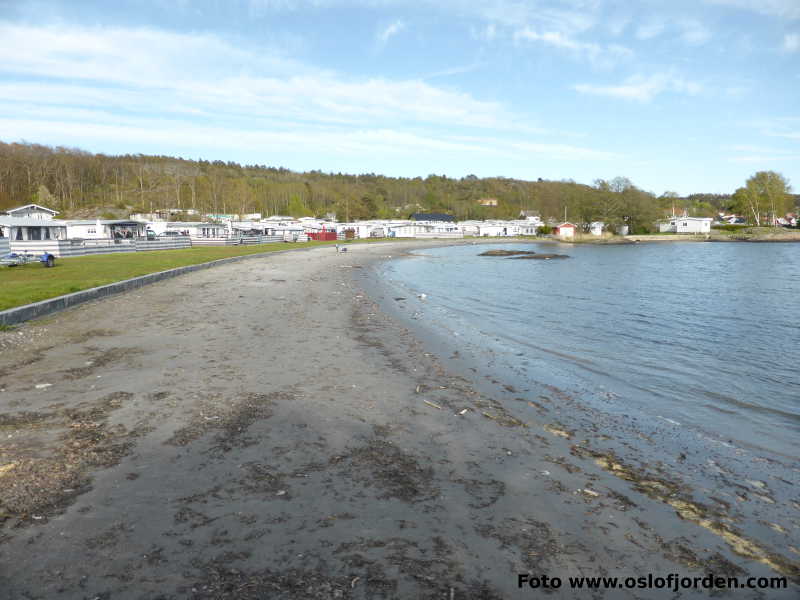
(33, 282)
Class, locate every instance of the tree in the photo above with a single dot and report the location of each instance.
(765, 194)
(296, 209)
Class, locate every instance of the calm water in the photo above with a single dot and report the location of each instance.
(700, 338)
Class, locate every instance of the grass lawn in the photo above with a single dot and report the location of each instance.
(33, 282)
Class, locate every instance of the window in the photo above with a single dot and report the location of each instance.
(90, 231)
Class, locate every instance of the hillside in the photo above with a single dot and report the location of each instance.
(81, 184)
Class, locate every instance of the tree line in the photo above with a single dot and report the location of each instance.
(79, 183)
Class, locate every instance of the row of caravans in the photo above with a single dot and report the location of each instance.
(34, 228)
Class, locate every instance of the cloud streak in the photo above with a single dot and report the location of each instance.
(385, 34)
(197, 91)
(788, 9)
(642, 89)
(597, 54)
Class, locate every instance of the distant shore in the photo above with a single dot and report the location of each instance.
(762, 234)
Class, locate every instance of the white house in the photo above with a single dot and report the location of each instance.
(492, 229)
(668, 226)
(100, 229)
(191, 228)
(596, 227)
(529, 226)
(25, 229)
(400, 229)
(533, 218)
(686, 225)
(694, 225)
(32, 211)
(565, 230)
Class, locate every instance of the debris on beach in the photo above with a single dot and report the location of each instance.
(505, 420)
(670, 493)
(557, 430)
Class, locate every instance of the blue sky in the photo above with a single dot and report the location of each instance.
(686, 95)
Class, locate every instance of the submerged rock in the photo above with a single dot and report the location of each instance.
(505, 252)
(541, 256)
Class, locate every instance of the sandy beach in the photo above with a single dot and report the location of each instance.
(265, 430)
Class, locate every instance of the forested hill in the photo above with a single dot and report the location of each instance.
(75, 182)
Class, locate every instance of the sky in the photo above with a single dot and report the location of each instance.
(685, 96)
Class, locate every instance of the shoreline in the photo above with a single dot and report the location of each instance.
(265, 427)
(617, 447)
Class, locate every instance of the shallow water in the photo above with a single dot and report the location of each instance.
(700, 339)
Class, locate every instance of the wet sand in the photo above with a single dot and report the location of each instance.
(263, 430)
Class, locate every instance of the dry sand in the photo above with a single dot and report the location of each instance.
(262, 430)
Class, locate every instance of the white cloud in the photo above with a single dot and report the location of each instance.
(789, 135)
(789, 9)
(791, 42)
(761, 155)
(155, 88)
(693, 32)
(690, 31)
(597, 54)
(779, 127)
(165, 69)
(391, 30)
(356, 143)
(649, 30)
(642, 89)
(459, 70)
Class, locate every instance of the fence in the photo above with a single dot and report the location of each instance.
(235, 241)
(440, 234)
(65, 248)
(162, 243)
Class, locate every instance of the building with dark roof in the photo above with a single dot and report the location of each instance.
(433, 217)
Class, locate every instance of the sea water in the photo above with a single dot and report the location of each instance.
(687, 339)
